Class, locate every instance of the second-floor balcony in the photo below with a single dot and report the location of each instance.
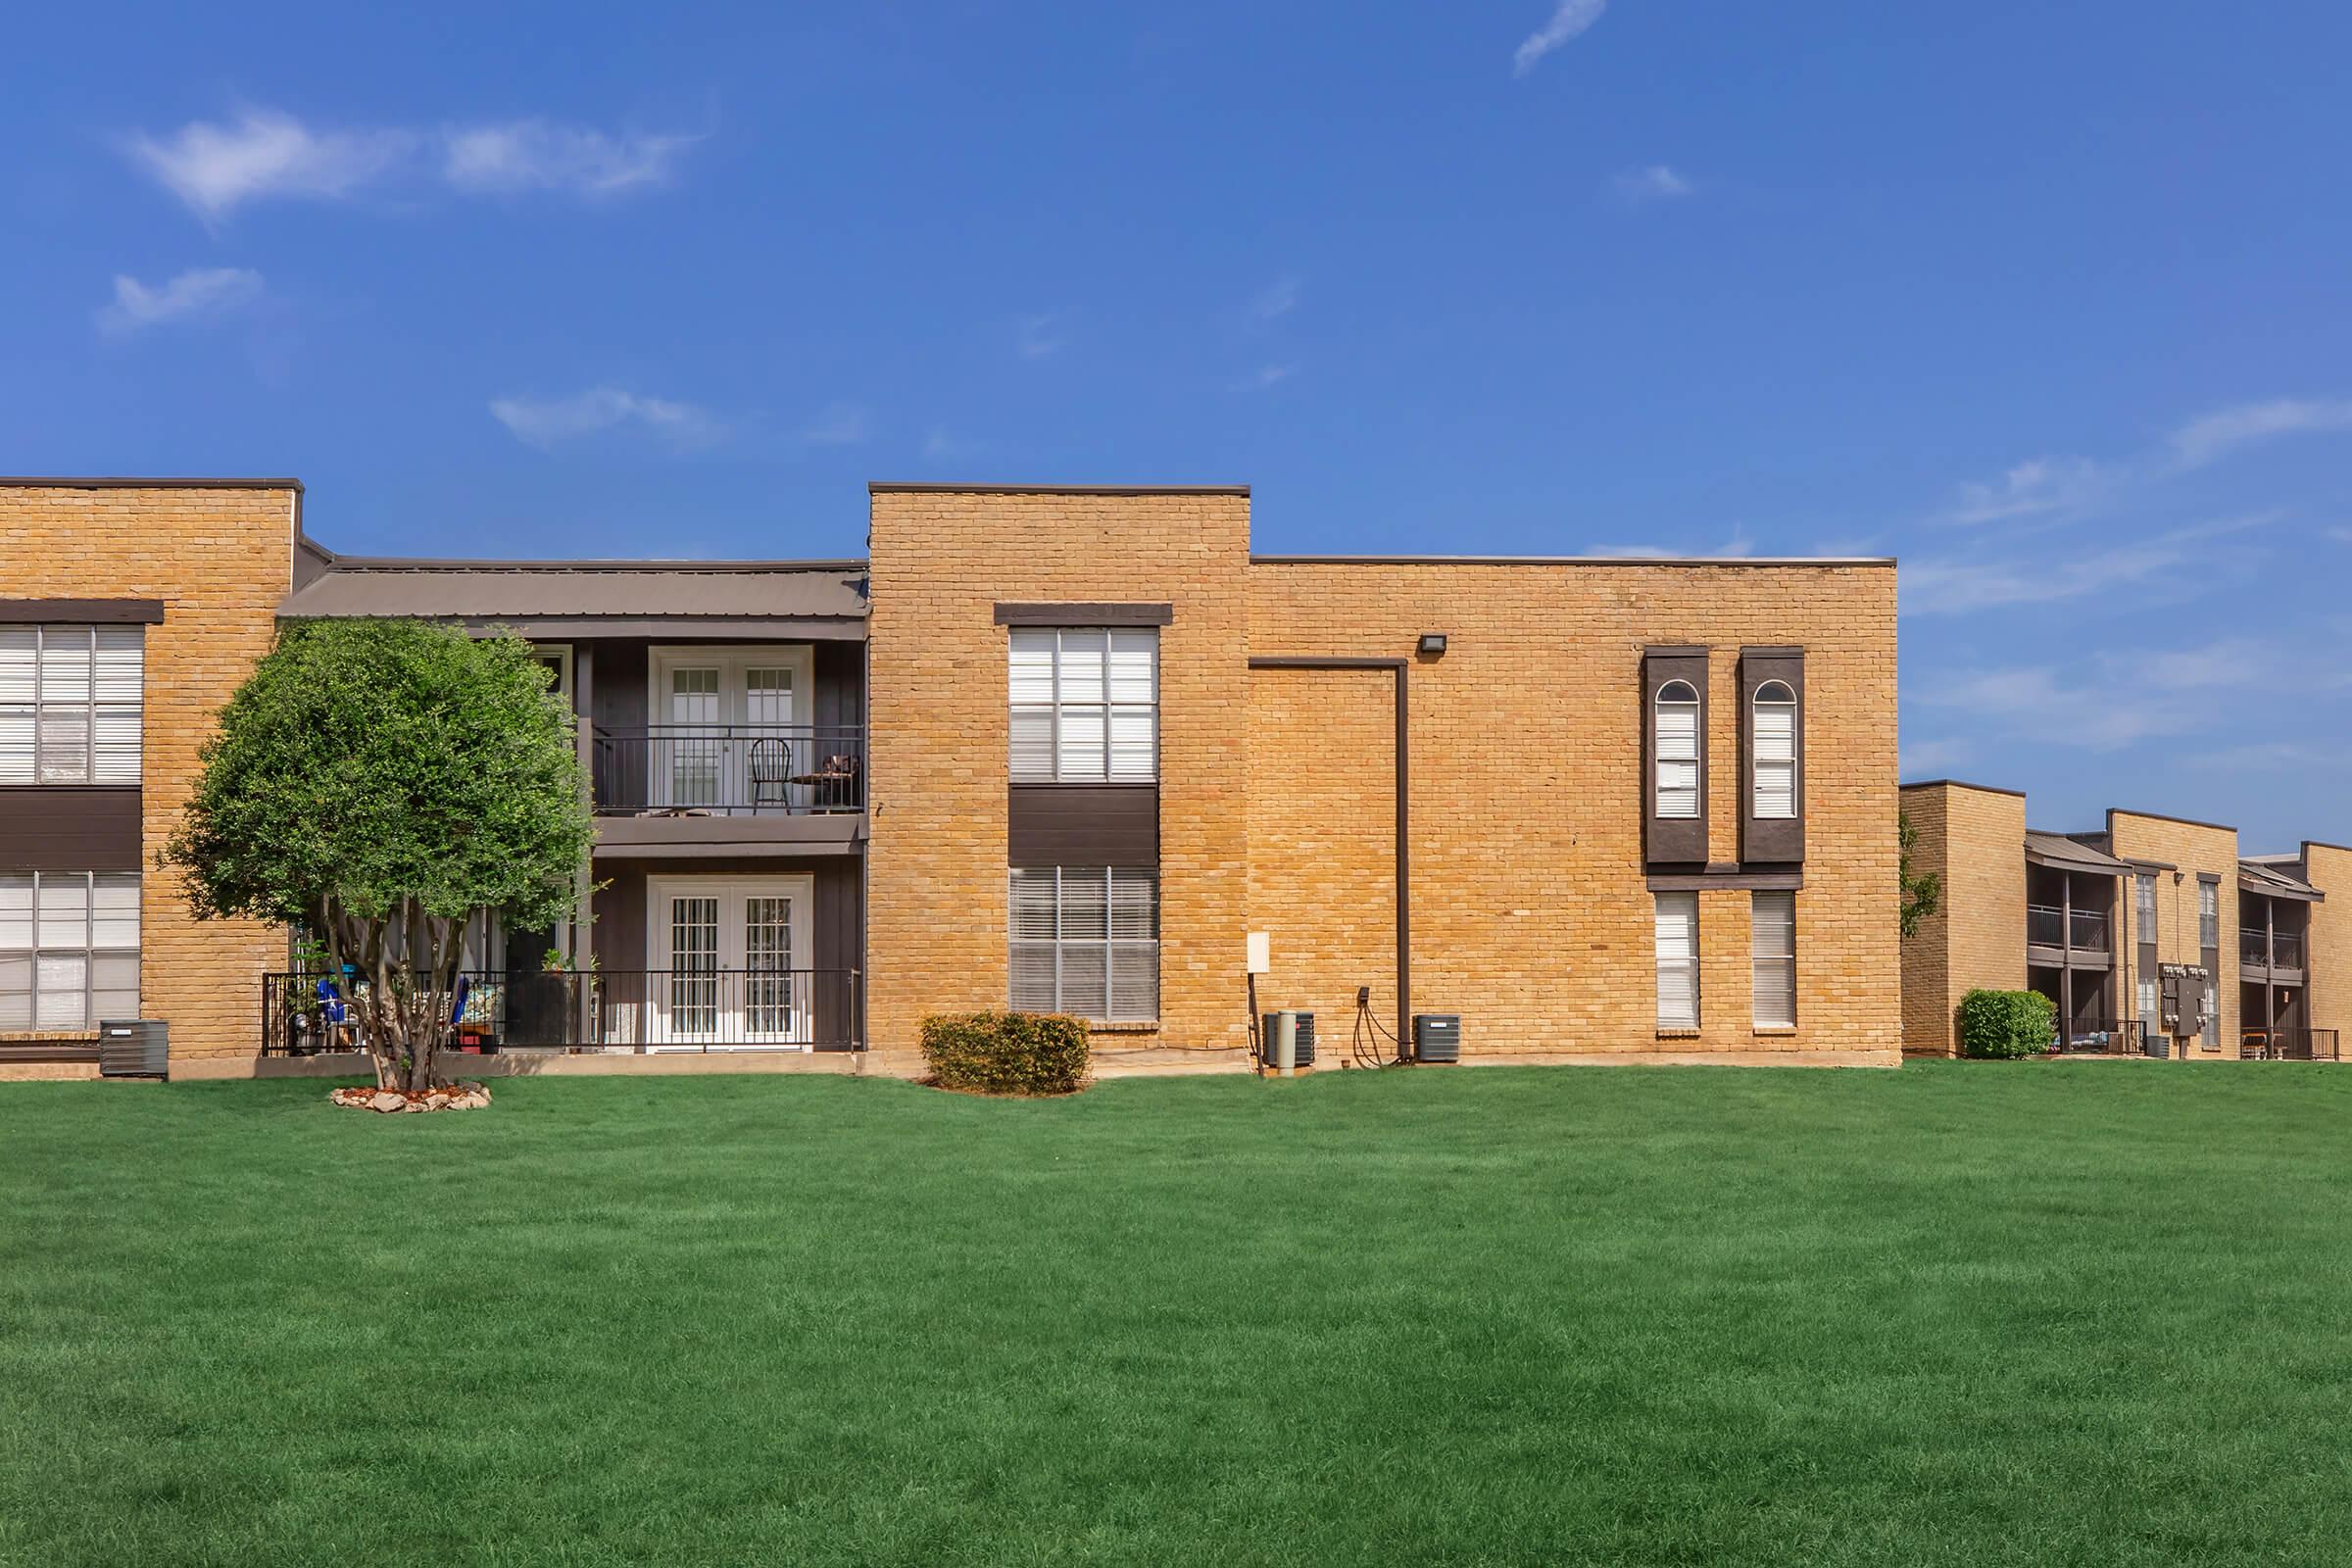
(729, 769)
(2078, 931)
(2269, 949)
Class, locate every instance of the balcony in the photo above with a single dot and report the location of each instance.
(729, 769)
(2049, 926)
(635, 1010)
(2288, 1044)
(2265, 949)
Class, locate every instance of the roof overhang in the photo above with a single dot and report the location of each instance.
(2271, 883)
(2063, 853)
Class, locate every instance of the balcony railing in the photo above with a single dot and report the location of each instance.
(2047, 926)
(599, 1010)
(2104, 1037)
(2288, 1044)
(2261, 949)
(729, 769)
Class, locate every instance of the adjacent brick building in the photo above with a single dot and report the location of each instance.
(1060, 748)
(2152, 935)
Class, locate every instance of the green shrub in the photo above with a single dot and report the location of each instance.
(2003, 1025)
(1007, 1052)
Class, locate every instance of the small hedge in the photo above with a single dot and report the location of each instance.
(2003, 1025)
(1007, 1052)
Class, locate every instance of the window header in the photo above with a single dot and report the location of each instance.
(83, 611)
(1084, 613)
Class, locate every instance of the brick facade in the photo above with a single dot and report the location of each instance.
(1973, 838)
(220, 556)
(2328, 867)
(2193, 850)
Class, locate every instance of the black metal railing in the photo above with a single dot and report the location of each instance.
(2048, 926)
(2269, 949)
(2288, 1044)
(596, 1011)
(729, 769)
(2102, 1037)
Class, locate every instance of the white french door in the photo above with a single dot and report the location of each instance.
(725, 717)
(729, 962)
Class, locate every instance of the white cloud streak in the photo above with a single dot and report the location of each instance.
(266, 154)
(1276, 299)
(2213, 436)
(2035, 703)
(1655, 183)
(1568, 18)
(1041, 336)
(547, 424)
(841, 424)
(201, 292)
(1956, 584)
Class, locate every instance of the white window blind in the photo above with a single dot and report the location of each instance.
(69, 948)
(1085, 941)
(1677, 749)
(1772, 924)
(71, 699)
(1085, 703)
(1773, 746)
(1677, 960)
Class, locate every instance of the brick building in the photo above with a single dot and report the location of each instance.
(2151, 935)
(1057, 747)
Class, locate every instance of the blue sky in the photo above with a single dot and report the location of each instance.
(2049, 301)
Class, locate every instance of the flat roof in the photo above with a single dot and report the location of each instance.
(118, 481)
(933, 487)
(1571, 561)
(1959, 784)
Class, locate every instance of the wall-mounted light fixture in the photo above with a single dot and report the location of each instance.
(1433, 643)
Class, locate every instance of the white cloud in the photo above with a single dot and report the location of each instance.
(2342, 536)
(1924, 757)
(549, 422)
(2033, 702)
(2041, 486)
(841, 424)
(1273, 374)
(2210, 437)
(2051, 574)
(535, 154)
(1568, 18)
(1278, 298)
(216, 169)
(1738, 545)
(266, 154)
(1655, 183)
(203, 291)
(1041, 335)
(941, 446)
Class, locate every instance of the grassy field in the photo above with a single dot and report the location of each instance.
(2043, 1313)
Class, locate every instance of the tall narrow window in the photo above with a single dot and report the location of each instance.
(2209, 914)
(2144, 905)
(1773, 946)
(1772, 738)
(1085, 941)
(1677, 960)
(69, 948)
(71, 699)
(1677, 749)
(2210, 1014)
(1085, 703)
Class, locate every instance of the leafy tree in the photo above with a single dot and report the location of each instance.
(1923, 892)
(383, 783)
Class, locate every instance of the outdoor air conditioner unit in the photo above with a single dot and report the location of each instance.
(1305, 1051)
(1437, 1037)
(134, 1047)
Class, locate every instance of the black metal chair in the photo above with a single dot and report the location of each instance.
(770, 772)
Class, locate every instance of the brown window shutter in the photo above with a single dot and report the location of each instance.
(1672, 840)
(1770, 840)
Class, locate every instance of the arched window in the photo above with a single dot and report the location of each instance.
(1677, 749)
(1772, 743)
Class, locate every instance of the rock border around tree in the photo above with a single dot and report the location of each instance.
(392, 1102)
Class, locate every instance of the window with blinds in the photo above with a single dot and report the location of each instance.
(2144, 906)
(1772, 926)
(2209, 914)
(1677, 960)
(1085, 941)
(1085, 704)
(69, 948)
(1772, 739)
(70, 704)
(1677, 751)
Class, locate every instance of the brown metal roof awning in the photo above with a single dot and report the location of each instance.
(2275, 882)
(820, 600)
(2057, 850)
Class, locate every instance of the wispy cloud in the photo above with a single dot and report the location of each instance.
(536, 155)
(1568, 18)
(841, 424)
(1740, 545)
(218, 168)
(2342, 536)
(2039, 488)
(1272, 375)
(1276, 299)
(202, 292)
(266, 154)
(1041, 334)
(547, 424)
(2045, 574)
(941, 444)
(1923, 757)
(2034, 702)
(1655, 183)
(2210, 437)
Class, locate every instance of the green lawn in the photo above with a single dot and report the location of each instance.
(2043, 1313)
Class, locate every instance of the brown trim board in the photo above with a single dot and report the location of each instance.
(85, 611)
(1402, 668)
(70, 827)
(1084, 613)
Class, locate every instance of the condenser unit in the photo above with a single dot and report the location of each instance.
(134, 1047)
(1304, 1055)
(1437, 1037)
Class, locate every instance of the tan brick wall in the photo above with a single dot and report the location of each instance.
(2191, 848)
(936, 894)
(1974, 839)
(219, 558)
(1530, 913)
(2328, 867)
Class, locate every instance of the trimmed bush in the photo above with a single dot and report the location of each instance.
(1007, 1052)
(2003, 1025)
